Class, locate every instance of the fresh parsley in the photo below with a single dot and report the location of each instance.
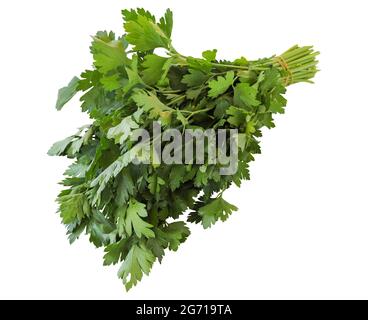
(136, 211)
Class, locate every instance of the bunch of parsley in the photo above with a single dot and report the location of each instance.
(126, 207)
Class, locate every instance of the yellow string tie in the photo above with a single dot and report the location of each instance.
(281, 61)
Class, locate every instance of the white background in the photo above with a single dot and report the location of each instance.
(301, 231)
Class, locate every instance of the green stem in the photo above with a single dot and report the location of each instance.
(299, 62)
(197, 111)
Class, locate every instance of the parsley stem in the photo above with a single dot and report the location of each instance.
(298, 64)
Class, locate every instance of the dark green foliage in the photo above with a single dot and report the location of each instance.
(127, 208)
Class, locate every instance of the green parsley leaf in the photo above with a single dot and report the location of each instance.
(194, 78)
(221, 84)
(67, 93)
(123, 130)
(58, 148)
(145, 34)
(150, 103)
(108, 55)
(166, 23)
(134, 214)
(115, 252)
(245, 96)
(125, 188)
(139, 261)
(175, 233)
(153, 68)
(209, 55)
(111, 83)
(216, 209)
(73, 206)
(237, 116)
